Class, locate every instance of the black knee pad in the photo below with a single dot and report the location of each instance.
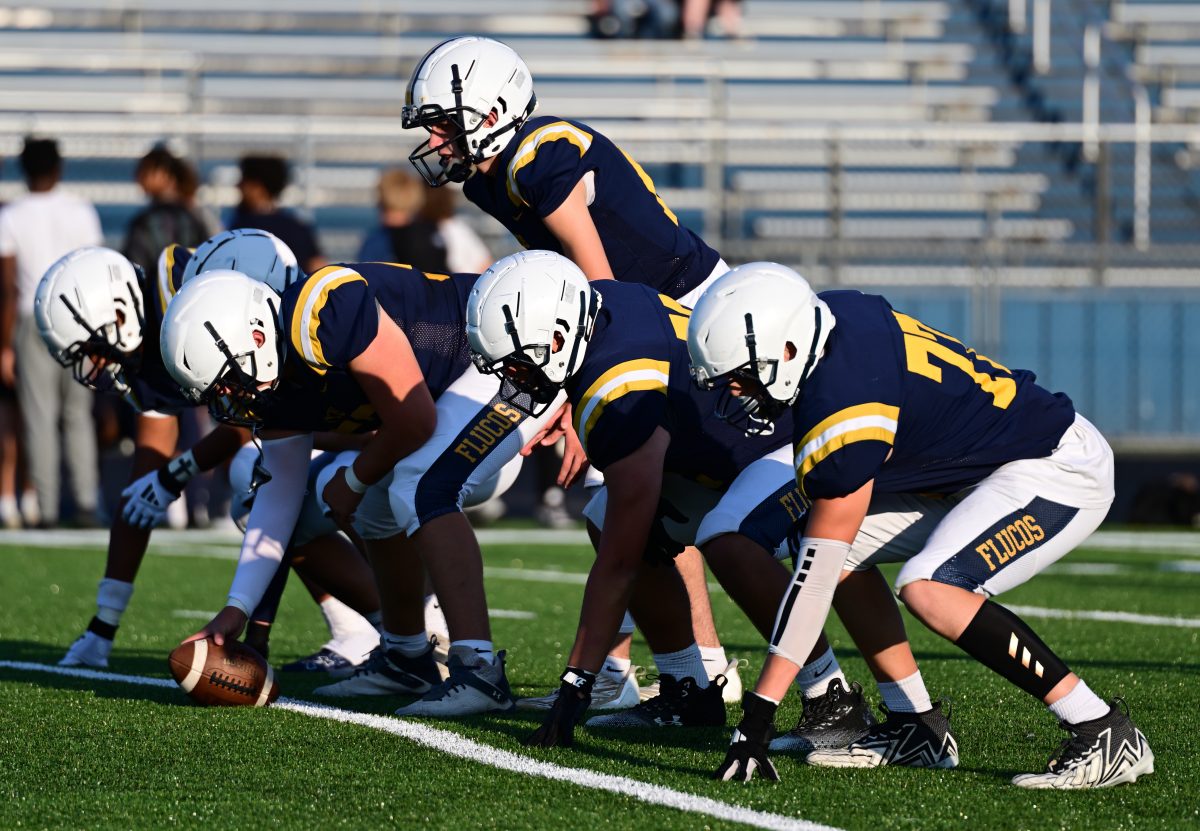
(1004, 643)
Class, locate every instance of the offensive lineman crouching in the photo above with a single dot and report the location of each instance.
(968, 472)
(674, 474)
(355, 349)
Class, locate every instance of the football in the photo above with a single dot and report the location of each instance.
(233, 675)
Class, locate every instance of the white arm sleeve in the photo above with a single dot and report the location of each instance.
(806, 605)
(272, 519)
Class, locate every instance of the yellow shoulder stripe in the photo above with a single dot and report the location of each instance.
(803, 466)
(306, 317)
(527, 151)
(625, 377)
(861, 422)
(166, 270)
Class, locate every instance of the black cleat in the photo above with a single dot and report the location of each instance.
(1102, 753)
(679, 703)
(832, 720)
(918, 740)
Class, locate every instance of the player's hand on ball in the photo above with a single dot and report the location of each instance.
(574, 696)
(747, 752)
(227, 625)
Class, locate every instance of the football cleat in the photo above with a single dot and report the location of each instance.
(731, 692)
(832, 720)
(89, 650)
(1099, 754)
(679, 703)
(323, 660)
(608, 693)
(472, 686)
(918, 740)
(388, 673)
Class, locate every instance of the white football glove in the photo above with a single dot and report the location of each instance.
(148, 501)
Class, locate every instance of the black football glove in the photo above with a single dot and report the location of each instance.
(661, 547)
(574, 696)
(748, 748)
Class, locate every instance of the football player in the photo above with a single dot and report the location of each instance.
(675, 475)
(99, 314)
(356, 349)
(912, 447)
(562, 186)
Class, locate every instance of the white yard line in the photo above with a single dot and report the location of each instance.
(1107, 617)
(453, 744)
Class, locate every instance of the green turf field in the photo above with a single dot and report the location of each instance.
(102, 754)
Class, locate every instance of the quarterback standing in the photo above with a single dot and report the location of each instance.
(562, 186)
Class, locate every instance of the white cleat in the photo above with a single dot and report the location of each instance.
(608, 693)
(89, 650)
(473, 686)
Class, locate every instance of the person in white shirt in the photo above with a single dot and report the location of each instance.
(35, 231)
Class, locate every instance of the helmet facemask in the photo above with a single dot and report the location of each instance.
(754, 409)
(101, 361)
(532, 375)
(234, 396)
(464, 123)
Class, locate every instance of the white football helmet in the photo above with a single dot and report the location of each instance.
(221, 343)
(741, 331)
(255, 253)
(455, 87)
(88, 309)
(529, 319)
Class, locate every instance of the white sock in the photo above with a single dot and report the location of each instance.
(481, 648)
(814, 677)
(908, 695)
(112, 597)
(715, 662)
(9, 510)
(343, 622)
(686, 663)
(615, 668)
(1080, 704)
(410, 646)
(435, 621)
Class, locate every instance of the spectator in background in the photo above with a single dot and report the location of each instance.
(10, 513)
(466, 253)
(696, 14)
(634, 19)
(170, 183)
(403, 235)
(35, 231)
(262, 183)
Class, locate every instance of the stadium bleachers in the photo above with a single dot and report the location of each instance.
(900, 143)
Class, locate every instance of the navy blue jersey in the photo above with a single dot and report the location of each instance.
(331, 318)
(642, 238)
(912, 408)
(151, 387)
(635, 378)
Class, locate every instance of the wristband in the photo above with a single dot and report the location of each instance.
(580, 679)
(175, 474)
(238, 604)
(353, 482)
